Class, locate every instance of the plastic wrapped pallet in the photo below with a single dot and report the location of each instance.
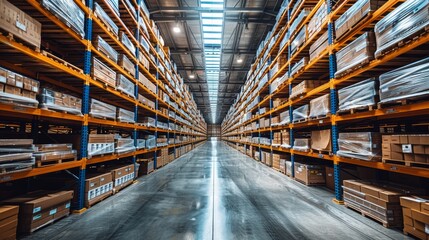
(132, 9)
(358, 95)
(148, 121)
(304, 87)
(300, 113)
(16, 155)
(144, 43)
(301, 144)
(103, 73)
(298, 20)
(101, 14)
(296, 6)
(150, 141)
(320, 107)
(100, 109)
(69, 12)
(125, 116)
(124, 145)
(126, 64)
(57, 101)
(144, 60)
(284, 40)
(406, 82)
(284, 118)
(315, 24)
(355, 14)
(319, 46)
(127, 42)
(298, 66)
(20, 24)
(321, 140)
(406, 21)
(105, 48)
(360, 145)
(141, 143)
(125, 85)
(99, 144)
(114, 4)
(299, 39)
(146, 101)
(285, 135)
(357, 53)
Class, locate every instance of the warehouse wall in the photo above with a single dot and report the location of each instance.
(213, 130)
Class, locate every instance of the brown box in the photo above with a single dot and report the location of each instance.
(421, 217)
(413, 202)
(353, 184)
(419, 149)
(414, 139)
(309, 174)
(409, 157)
(125, 63)
(406, 211)
(20, 24)
(408, 221)
(413, 231)
(420, 158)
(103, 73)
(371, 190)
(425, 207)
(390, 196)
(424, 139)
(12, 90)
(321, 140)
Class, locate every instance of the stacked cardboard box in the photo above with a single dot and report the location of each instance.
(377, 200)
(320, 107)
(122, 176)
(102, 72)
(304, 87)
(285, 138)
(415, 212)
(409, 148)
(146, 165)
(126, 64)
(103, 110)
(8, 222)
(360, 145)
(143, 79)
(146, 101)
(102, 15)
(97, 188)
(54, 153)
(40, 208)
(276, 162)
(309, 174)
(277, 139)
(162, 158)
(20, 24)
(101, 45)
(57, 101)
(99, 144)
(282, 166)
(18, 89)
(319, 46)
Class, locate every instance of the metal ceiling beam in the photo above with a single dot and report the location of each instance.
(225, 51)
(224, 69)
(210, 10)
(165, 19)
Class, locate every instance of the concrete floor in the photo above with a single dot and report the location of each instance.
(215, 192)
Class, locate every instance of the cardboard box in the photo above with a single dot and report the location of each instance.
(309, 174)
(413, 139)
(425, 207)
(353, 184)
(412, 202)
(321, 140)
(371, 190)
(421, 217)
(409, 157)
(419, 149)
(411, 230)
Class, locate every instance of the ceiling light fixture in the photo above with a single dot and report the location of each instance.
(176, 28)
(239, 59)
(192, 76)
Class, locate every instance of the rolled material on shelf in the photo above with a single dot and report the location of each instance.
(354, 15)
(359, 95)
(100, 109)
(100, 13)
(320, 106)
(105, 48)
(360, 145)
(405, 21)
(69, 12)
(125, 116)
(125, 85)
(356, 54)
(58, 101)
(407, 82)
(321, 140)
(301, 144)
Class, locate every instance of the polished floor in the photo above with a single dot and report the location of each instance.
(215, 192)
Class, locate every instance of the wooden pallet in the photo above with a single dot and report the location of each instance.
(369, 215)
(328, 115)
(309, 184)
(300, 121)
(106, 84)
(47, 163)
(13, 170)
(100, 199)
(406, 163)
(402, 102)
(60, 110)
(354, 68)
(61, 61)
(48, 223)
(357, 110)
(17, 39)
(403, 42)
(324, 152)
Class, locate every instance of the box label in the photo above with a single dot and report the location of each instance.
(38, 216)
(21, 26)
(407, 148)
(53, 211)
(37, 209)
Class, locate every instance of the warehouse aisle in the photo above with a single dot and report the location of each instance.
(215, 192)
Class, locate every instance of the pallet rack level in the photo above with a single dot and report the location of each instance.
(325, 65)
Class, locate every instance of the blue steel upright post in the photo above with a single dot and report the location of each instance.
(83, 153)
(155, 158)
(334, 104)
(136, 87)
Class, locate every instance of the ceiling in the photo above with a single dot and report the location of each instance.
(245, 25)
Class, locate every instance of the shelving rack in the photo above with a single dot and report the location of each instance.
(72, 72)
(322, 67)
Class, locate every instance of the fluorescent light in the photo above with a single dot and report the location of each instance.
(192, 76)
(176, 28)
(239, 59)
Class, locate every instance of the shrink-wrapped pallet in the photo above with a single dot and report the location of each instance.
(141, 143)
(299, 39)
(298, 66)
(300, 113)
(150, 141)
(99, 144)
(355, 14)
(125, 85)
(126, 64)
(404, 22)
(144, 43)
(100, 109)
(298, 20)
(360, 145)
(58, 101)
(148, 121)
(356, 54)
(319, 46)
(16, 155)
(69, 12)
(105, 48)
(284, 118)
(358, 95)
(125, 116)
(102, 72)
(304, 87)
(127, 42)
(320, 107)
(124, 145)
(114, 4)
(301, 144)
(407, 82)
(102, 15)
(315, 24)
